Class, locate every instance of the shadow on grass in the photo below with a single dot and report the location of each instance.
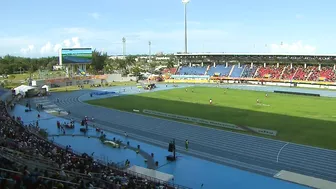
(292, 129)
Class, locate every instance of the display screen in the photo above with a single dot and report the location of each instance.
(77, 56)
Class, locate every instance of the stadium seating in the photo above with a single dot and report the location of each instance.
(222, 70)
(249, 71)
(288, 73)
(237, 71)
(302, 73)
(29, 161)
(271, 72)
(313, 74)
(327, 74)
(284, 72)
(169, 71)
(195, 70)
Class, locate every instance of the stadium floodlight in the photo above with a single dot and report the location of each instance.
(185, 2)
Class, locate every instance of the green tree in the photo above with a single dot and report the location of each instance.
(130, 60)
(170, 63)
(98, 60)
(136, 71)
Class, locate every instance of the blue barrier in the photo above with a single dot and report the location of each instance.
(103, 93)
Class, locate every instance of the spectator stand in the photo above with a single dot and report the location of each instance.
(95, 173)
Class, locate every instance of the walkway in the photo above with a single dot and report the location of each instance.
(148, 157)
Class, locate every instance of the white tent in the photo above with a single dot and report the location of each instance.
(46, 87)
(22, 89)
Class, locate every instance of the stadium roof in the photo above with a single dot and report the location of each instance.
(252, 54)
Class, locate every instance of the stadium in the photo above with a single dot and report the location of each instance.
(231, 112)
(273, 68)
(203, 120)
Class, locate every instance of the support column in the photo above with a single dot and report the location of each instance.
(202, 64)
(305, 65)
(226, 64)
(291, 65)
(251, 64)
(319, 67)
(265, 64)
(214, 64)
(278, 65)
(239, 65)
(334, 66)
(190, 64)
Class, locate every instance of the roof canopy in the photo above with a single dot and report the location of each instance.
(22, 89)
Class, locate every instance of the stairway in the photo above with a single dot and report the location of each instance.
(295, 73)
(283, 71)
(206, 71)
(241, 74)
(255, 73)
(231, 70)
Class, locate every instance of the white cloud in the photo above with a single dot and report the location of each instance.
(95, 15)
(49, 48)
(294, 48)
(28, 49)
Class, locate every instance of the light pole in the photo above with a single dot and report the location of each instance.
(185, 2)
(150, 51)
(124, 46)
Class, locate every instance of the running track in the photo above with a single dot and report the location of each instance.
(255, 154)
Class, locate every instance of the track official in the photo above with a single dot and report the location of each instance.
(186, 144)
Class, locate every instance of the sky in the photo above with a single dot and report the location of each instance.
(38, 28)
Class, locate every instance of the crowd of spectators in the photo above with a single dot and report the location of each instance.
(314, 74)
(271, 72)
(328, 73)
(285, 72)
(249, 71)
(288, 73)
(67, 169)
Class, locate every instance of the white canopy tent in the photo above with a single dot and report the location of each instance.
(46, 87)
(22, 89)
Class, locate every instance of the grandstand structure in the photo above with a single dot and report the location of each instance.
(266, 67)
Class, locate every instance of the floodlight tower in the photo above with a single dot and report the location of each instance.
(185, 2)
(124, 46)
(150, 51)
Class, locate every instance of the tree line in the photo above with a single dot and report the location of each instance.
(100, 64)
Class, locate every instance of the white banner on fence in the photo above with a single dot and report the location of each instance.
(208, 122)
